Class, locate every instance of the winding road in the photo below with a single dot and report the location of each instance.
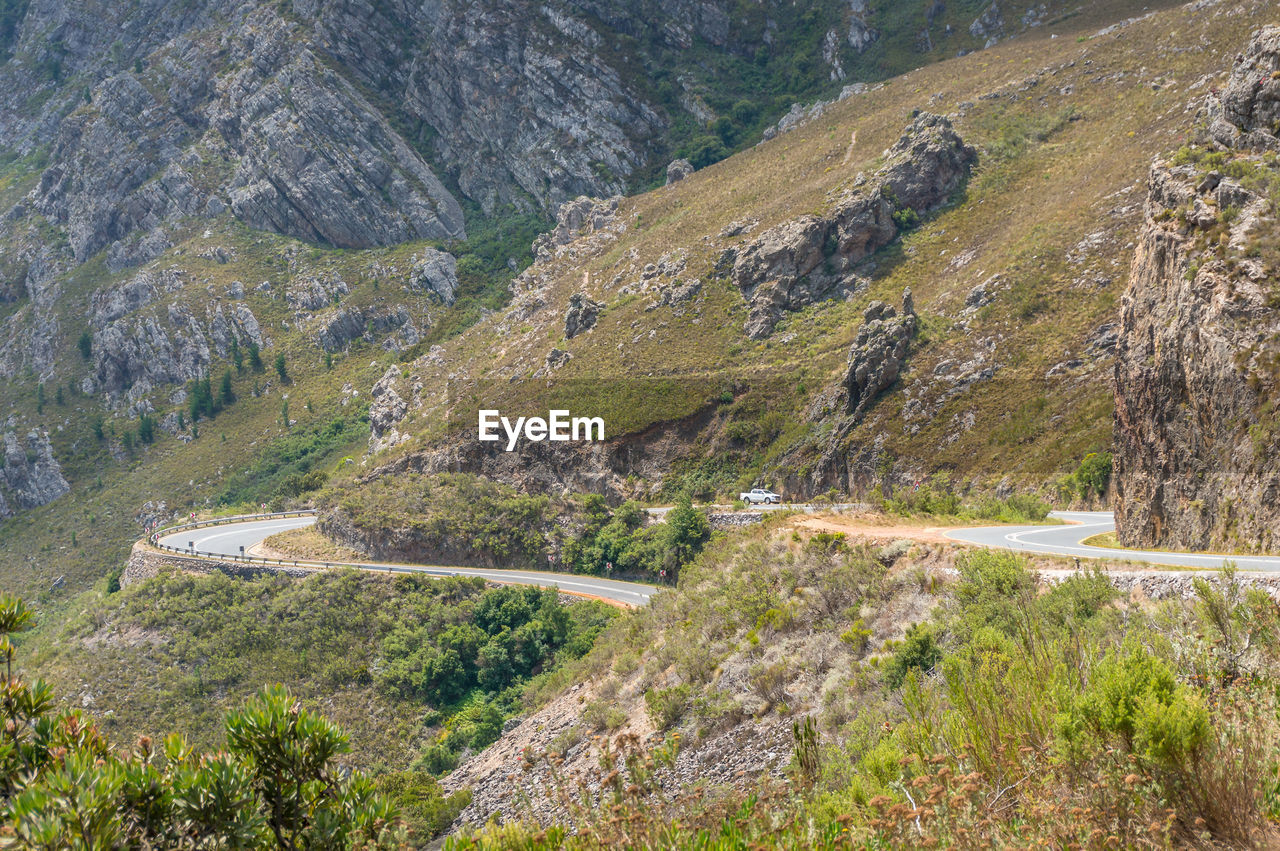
(228, 540)
(239, 539)
(1068, 540)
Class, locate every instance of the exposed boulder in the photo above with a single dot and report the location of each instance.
(581, 315)
(877, 354)
(678, 170)
(435, 272)
(812, 258)
(557, 358)
(31, 473)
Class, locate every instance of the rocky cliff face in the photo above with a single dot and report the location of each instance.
(1197, 357)
(339, 121)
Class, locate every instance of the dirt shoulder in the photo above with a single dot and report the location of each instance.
(876, 527)
(305, 543)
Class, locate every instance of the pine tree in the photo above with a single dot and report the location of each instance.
(225, 395)
(146, 428)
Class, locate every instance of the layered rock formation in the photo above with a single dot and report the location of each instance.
(333, 121)
(1247, 115)
(1197, 355)
(813, 258)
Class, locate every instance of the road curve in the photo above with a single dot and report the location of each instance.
(1066, 540)
(228, 540)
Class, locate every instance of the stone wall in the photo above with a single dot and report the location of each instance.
(145, 563)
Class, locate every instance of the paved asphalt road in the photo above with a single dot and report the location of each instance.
(1066, 541)
(227, 540)
(1063, 540)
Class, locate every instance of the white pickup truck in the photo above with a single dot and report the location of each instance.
(757, 495)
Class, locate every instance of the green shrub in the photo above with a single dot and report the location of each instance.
(667, 706)
(277, 783)
(918, 651)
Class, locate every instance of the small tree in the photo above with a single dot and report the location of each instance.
(40, 398)
(146, 428)
(85, 344)
(255, 357)
(687, 529)
(225, 394)
(280, 368)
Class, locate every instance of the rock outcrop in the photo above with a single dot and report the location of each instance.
(31, 474)
(146, 349)
(1196, 441)
(1247, 114)
(330, 121)
(581, 315)
(339, 328)
(575, 219)
(813, 258)
(388, 409)
(435, 272)
(316, 160)
(312, 157)
(878, 353)
(678, 170)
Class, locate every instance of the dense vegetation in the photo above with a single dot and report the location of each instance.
(418, 670)
(277, 783)
(937, 496)
(618, 542)
(477, 654)
(458, 518)
(1011, 715)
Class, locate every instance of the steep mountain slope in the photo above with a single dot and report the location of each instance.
(1014, 286)
(167, 164)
